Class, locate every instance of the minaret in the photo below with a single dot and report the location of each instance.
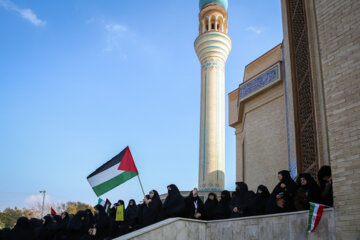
(212, 47)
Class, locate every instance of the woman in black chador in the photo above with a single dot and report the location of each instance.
(324, 177)
(79, 225)
(194, 206)
(282, 197)
(222, 210)
(131, 215)
(151, 208)
(241, 201)
(210, 206)
(308, 191)
(22, 230)
(258, 206)
(174, 204)
(102, 224)
(48, 229)
(118, 222)
(141, 212)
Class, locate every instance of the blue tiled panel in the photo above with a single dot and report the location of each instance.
(211, 64)
(260, 81)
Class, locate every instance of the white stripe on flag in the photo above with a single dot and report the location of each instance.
(316, 209)
(101, 202)
(105, 175)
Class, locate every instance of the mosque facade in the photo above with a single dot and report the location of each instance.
(298, 106)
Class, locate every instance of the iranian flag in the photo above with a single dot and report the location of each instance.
(315, 214)
(113, 173)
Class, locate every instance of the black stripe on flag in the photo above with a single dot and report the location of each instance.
(115, 160)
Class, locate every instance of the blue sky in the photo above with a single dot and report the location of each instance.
(80, 80)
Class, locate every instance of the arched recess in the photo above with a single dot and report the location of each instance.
(220, 23)
(212, 22)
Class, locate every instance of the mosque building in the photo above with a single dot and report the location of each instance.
(297, 108)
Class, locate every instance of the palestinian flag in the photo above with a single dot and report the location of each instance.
(106, 204)
(315, 214)
(113, 173)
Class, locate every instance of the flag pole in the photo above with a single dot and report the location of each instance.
(141, 185)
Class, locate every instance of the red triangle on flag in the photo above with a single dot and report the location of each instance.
(53, 211)
(127, 162)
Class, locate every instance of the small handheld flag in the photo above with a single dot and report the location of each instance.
(106, 204)
(315, 214)
(53, 212)
(115, 172)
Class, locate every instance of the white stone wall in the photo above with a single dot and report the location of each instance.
(292, 226)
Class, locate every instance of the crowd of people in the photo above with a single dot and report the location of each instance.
(287, 196)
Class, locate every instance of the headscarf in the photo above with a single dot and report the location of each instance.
(149, 214)
(264, 191)
(131, 212)
(174, 204)
(222, 210)
(210, 206)
(311, 188)
(242, 199)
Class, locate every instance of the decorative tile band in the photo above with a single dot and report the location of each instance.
(213, 63)
(204, 130)
(210, 189)
(286, 111)
(260, 81)
(213, 34)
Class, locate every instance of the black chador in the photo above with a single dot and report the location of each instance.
(151, 208)
(102, 223)
(174, 204)
(222, 210)
(281, 198)
(324, 177)
(241, 201)
(259, 203)
(22, 230)
(308, 191)
(210, 206)
(79, 225)
(131, 215)
(194, 206)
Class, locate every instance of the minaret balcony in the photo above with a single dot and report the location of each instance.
(213, 44)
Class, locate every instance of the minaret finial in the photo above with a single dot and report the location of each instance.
(204, 3)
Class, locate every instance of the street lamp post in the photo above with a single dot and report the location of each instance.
(42, 209)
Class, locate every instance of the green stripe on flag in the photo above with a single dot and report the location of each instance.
(114, 182)
(311, 214)
(101, 202)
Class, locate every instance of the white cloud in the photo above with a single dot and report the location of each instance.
(115, 33)
(25, 13)
(119, 38)
(254, 30)
(36, 200)
(29, 15)
(115, 27)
